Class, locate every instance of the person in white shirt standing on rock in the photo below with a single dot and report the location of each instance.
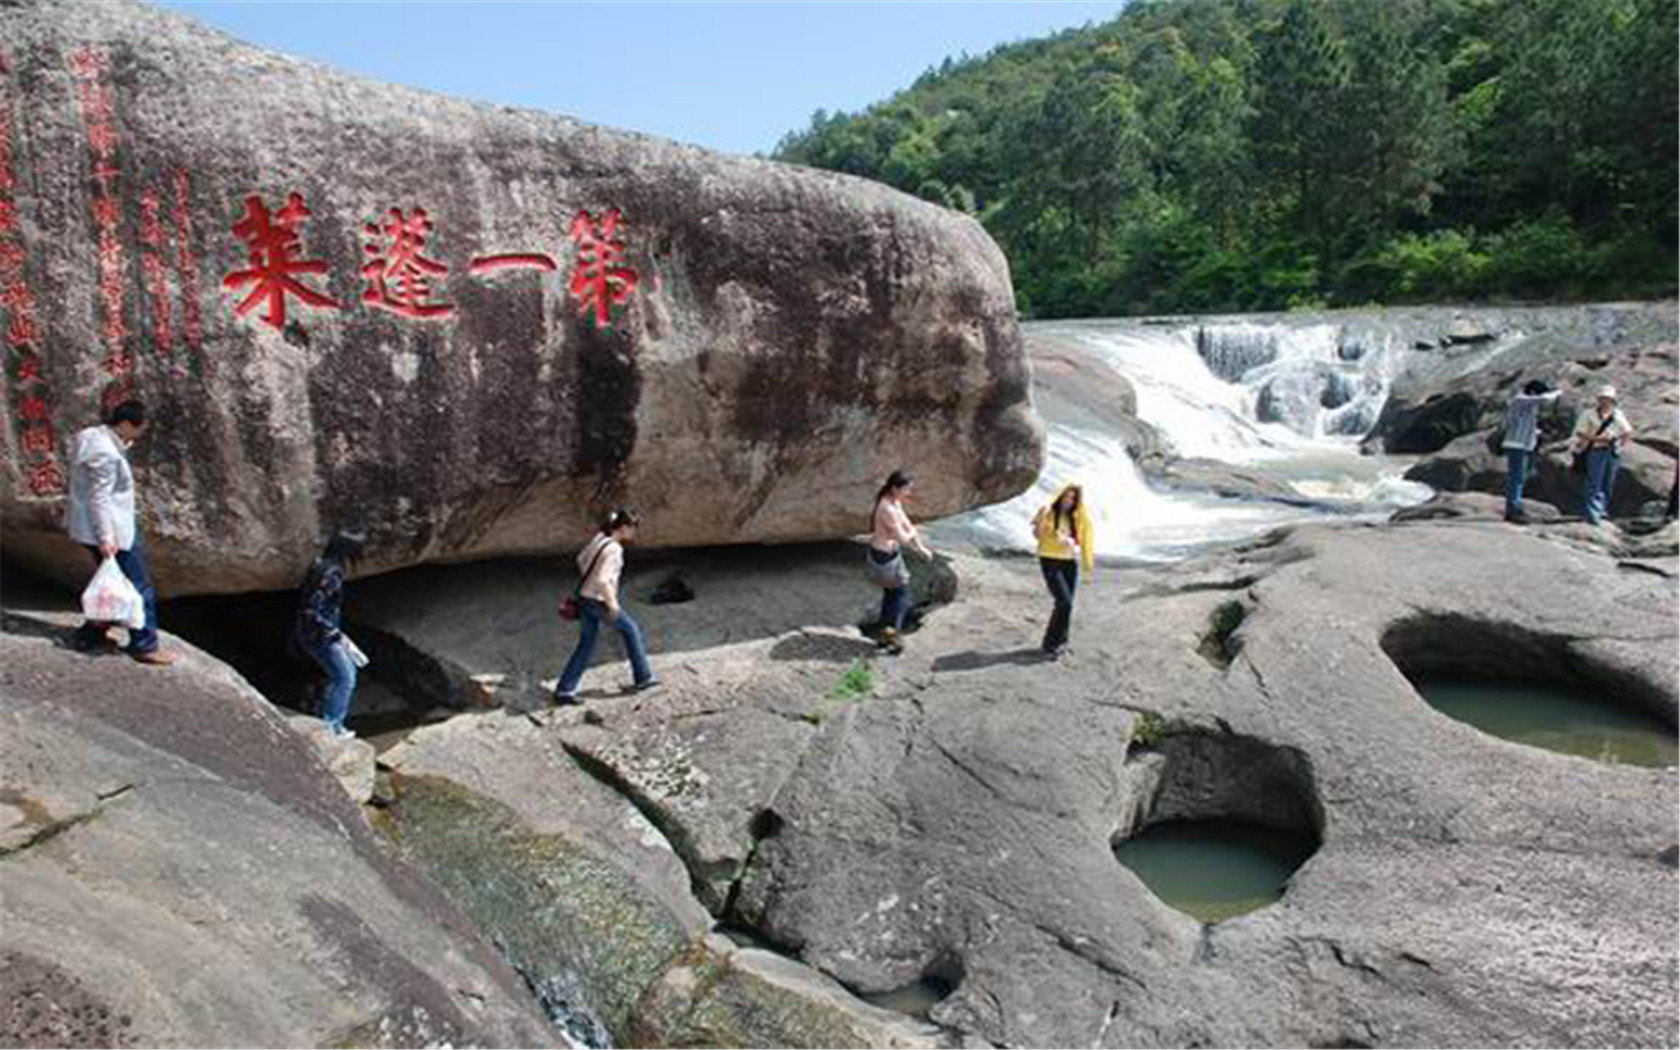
(100, 516)
(1600, 433)
(1522, 434)
(602, 563)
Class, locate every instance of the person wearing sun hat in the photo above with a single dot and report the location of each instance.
(1600, 432)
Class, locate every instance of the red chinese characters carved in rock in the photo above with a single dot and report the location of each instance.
(515, 261)
(600, 281)
(152, 269)
(186, 263)
(45, 479)
(398, 276)
(42, 476)
(273, 242)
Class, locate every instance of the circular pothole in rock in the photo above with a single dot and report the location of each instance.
(916, 999)
(1533, 690)
(1220, 823)
(1213, 870)
(1564, 718)
(919, 998)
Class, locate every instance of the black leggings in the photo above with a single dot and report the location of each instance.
(1062, 577)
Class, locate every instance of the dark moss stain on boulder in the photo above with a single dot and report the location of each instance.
(607, 389)
(423, 1013)
(1008, 458)
(551, 906)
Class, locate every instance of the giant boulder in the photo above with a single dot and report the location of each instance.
(580, 317)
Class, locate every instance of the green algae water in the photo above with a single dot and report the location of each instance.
(916, 999)
(1573, 722)
(1213, 869)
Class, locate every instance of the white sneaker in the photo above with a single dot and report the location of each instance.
(343, 733)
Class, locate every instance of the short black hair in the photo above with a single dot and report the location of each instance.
(132, 410)
(345, 546)
(618, 519)
(1536, 386)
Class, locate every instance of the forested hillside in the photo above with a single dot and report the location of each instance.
(1212, 155)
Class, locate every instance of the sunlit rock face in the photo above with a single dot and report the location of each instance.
(465, 329)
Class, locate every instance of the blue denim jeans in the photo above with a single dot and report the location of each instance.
(1602, 464)
(334, 659)
(895, 606)
(594, 612)
(1516, 474)
(132, 562)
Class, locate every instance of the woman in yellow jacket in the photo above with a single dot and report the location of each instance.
(1065, 542)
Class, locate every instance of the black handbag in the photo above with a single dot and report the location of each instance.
(1578, 460)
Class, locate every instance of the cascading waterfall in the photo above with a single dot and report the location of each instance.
(1285, 401)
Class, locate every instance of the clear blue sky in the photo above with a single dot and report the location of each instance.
(729, 76)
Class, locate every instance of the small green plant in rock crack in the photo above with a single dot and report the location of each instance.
(1147, 729)
(858, 680)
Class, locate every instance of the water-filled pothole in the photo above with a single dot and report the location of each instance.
(1540, 690)
(1573, 721)
(1219, 822)
(1213, 870)
(917, 999)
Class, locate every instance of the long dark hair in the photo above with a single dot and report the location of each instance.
(896, 480)
(1072, 512)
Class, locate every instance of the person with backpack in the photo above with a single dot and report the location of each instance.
(1065, 543)
(1522, 434)
(602, 563)
(1600, 432)
(316, 628)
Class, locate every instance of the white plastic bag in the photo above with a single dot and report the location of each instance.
(111, 598)
(357, 657)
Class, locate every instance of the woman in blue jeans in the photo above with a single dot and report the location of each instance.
(602, 564)
(320, 609)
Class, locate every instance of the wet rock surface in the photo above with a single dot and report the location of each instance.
(791, 336)
(953, 820)
(180, 869)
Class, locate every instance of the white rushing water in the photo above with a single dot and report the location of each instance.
(1287, 402)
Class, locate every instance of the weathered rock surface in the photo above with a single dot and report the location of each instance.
(349, 760)
(791, 337)
(178, 868)
(1459, 421)
(589, 901)
(954, 822)
(1473, 505)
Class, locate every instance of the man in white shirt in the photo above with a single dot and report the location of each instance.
(1600, 433)
(100, 516)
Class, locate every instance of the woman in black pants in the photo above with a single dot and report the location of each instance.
(1065, 542)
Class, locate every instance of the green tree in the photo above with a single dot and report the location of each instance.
(1300, 94)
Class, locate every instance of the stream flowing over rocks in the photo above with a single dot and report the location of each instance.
(578, 317)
